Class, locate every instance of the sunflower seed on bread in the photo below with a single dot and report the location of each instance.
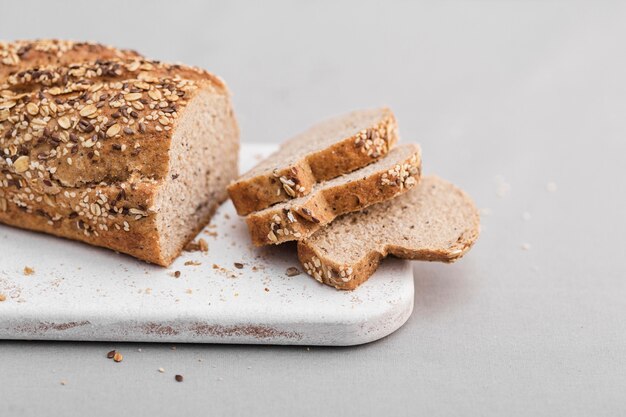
(435, 221)
(327, 150)
(297, 219)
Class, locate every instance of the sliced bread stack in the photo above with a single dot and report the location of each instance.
(350, 197)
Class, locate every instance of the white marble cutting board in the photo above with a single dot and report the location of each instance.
(79, 292)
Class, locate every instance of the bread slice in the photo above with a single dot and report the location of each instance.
(325, 151)
(395, 174)
(131, 155)
(20, 55)
(435, 221)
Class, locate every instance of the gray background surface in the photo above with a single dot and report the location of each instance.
(504, 98)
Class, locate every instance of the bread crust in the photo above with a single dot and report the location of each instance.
(85, 148)
(276, 224)
(295, 180)
(347, 276)
(23, 54)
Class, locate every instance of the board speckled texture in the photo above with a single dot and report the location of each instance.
(79, 292)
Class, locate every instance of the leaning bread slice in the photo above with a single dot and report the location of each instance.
(301, 217)
(325, 151)
(435, 221)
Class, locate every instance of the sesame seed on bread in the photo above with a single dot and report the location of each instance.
(299, 218)
(128, 154)
(327, 150)
(435, 221)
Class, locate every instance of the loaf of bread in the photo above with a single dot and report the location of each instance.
(297, 219)
(327, 150)
(435, 221)
(125, 153)
(20, 55)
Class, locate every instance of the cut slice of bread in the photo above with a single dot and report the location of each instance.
(327, 150)
(301, 217)
(435, 221)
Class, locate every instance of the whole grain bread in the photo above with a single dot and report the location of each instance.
(435, 221)
(393, 175)
(327, 150)
(131, 155)
(24, 54)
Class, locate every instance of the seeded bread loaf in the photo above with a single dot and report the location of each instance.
(435, 221)
(20, 55)
(395, 174)
(325, 151)
(131, 155)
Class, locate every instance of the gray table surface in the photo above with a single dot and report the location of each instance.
(520, 103)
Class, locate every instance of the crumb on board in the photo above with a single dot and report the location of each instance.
(266, 289)
(525, 246)
(199, 245)
(110, 354)
(161, 370)
(118, 357)
(193, 263)
(176, 274)
(238, 265)
(178, 378)
(63, 382)
(189, 291)
(2, 297)
(28, 270)
(216, 266)
(292, 271)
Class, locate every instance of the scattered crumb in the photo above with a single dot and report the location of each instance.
(551, 187)
(292, 271)
(236, 294)
(118, 357)
(2, 297)
(28, 270)
(308, 348)
(173, 348)
(526, 215)
(193, 263)
(111, 354)
(503, 188)
(178, 378)
(63, 382)
(148, 290)
(255, 268)
(216, 266)
(176, 274)
(161, 370)
(266, 289)
(189, 291)
(525, 246)
(200, 245)
(212, 234)
(238, 265)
